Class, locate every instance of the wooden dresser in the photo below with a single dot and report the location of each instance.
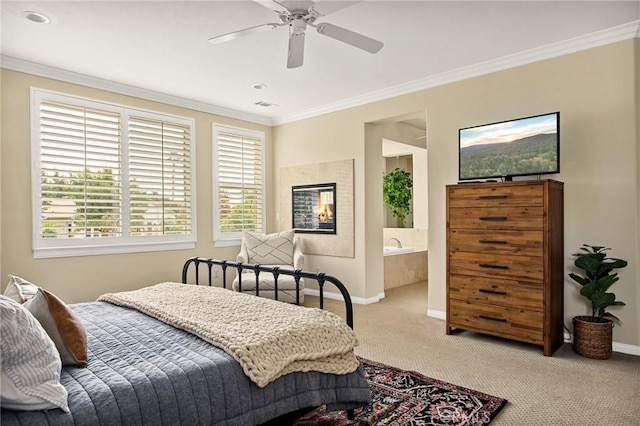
(505, 253)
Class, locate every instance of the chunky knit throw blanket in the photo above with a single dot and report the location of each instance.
(268, 338)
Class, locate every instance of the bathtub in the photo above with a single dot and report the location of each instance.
(393, 250)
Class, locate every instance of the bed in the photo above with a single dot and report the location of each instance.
(145, 371)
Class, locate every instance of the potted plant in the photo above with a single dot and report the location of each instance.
(592, 334)
(396, 192)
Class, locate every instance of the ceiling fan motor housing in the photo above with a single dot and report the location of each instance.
(298, 24)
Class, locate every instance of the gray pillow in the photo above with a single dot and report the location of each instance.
(30, 362)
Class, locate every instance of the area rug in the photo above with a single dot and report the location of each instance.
(402, 397)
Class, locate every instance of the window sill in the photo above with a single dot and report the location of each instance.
(51, 252)
(228, 243)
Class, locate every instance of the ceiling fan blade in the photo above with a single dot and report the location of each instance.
(323, 8)
(347, 36)
(296, 49)
(242, 33)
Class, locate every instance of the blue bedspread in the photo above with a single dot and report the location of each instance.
(142, 371)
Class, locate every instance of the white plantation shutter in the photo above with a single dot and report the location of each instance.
(239, 177)
(81, 180)
(109, 179)
(159, 177)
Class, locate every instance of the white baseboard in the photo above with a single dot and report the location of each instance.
(568, 338)
(626, 349)
(436, 314)
(622, 348)
(338, 296)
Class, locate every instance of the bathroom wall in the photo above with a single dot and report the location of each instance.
(409, 237)
(405, 268)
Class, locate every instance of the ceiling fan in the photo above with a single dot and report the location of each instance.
(297, 14)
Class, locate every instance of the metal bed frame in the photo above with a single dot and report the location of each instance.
(320, 277)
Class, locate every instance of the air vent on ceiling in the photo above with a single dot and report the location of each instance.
(265, 104)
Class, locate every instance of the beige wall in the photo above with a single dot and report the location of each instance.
(85, 278)
(595, 91)
(331, 137)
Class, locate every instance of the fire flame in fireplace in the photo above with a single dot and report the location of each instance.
(324, 213)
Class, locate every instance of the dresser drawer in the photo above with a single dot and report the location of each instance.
(527, 268)
(498, 292)
(497, 218)
(494, 195)
(528, 243)
(512, 323)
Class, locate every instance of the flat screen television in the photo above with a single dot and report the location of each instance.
(520, 147)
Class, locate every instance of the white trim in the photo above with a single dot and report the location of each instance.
(46, 253)
(622, 348)
(56, 247)
(221, 239)
(21, 65)
(227, 243)
(441, 315)
(338, 296)
(599, 38)
(568, 338)
(626, 348)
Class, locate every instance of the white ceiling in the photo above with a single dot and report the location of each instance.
(161, 46)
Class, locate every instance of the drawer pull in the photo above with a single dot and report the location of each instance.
(488, 265)
(492, 242)
(492, 318)
(491, 197)
(484, 290)
(493, 218)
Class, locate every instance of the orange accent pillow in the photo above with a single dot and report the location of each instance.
(62, 326)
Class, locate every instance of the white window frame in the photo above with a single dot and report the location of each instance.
(228, 239)
(55, 247)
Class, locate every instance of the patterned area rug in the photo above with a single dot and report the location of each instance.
(403, 397)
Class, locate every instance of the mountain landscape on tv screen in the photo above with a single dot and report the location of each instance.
(532, 155)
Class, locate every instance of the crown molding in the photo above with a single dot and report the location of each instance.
(610, 35)
(40, 70)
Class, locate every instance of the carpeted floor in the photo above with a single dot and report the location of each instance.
(564, 389)
(401, 397)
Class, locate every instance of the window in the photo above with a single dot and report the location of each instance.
(109, 179)
(238, 194)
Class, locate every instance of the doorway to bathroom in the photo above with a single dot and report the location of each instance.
(405, 242)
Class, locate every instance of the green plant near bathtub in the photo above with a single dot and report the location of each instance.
(396, 192)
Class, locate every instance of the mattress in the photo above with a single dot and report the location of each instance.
(143, 371)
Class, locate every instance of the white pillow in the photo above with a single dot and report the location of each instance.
(30, 362)
(271, 249)
(20, 289)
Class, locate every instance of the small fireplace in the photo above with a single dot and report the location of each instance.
(313, 208)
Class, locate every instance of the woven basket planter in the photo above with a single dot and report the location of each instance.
(592, 339)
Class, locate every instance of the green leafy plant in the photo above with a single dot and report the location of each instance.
(396, 192)
(598, 278)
